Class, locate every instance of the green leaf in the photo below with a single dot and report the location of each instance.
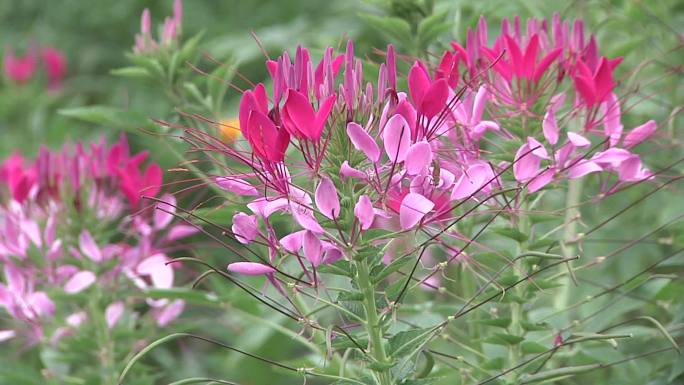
(534, 326)
(504, 339)
(121, 119)
(497, 322)
(394, 27)
(341, 267)
(531, 347)
(344, 342)
(494, 364)
(131, 72)
(431, 27)
(422, 381)
(512, 233)
(189, 295)
(395, 265)
(404, 342)
(557, 373)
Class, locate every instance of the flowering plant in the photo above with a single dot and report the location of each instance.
(76, 244)
(381, 213)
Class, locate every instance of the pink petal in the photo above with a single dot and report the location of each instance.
(472, 180)
(639, 134)
(397, 138)
(41, 303)
(304, 216)
(611, 157)
(299, 110)
(363, 210)
(550, 127)
(250, 268)
(418, 82)
(7, 334)
(180, 231)
(326, 198)
(582, 168)
(413, 208)
(362, 141)
(346, 171)
(157, 269)
(526, 164)
(578, 140)
(245, 227)
(88, 246)
(541, 180)
(313, 250)
(113, 313)
(163, 215)
(539, 151)
(418, 158)
(293, 242)
(79, 282)
(434, 100)
(236, 185)
(479, 104)
(611, 122)
(170, 312)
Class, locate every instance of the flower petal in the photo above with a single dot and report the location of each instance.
(79, 282)
(418, 157)
(113, 313)
(363, 210)
(88, 246)
(397, 138)
(245, 227)
(313, 250)
(413, 208)
(250, 268)
(639, 134)
(362, 141)
(326, 198)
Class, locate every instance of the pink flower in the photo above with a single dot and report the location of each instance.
(55, 66)
(19, 69)
(595, 87)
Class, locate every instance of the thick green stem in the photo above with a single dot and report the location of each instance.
(516, 307)
(569, 236)
(373, 327)
(105, 343)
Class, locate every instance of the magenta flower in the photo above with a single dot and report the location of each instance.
(55, 66)
(19, 69)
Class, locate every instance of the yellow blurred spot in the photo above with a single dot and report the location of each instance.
(229, 130)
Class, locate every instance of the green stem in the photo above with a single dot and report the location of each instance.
(517, 308)
(105, 343)
(569, 235)
(373, 327)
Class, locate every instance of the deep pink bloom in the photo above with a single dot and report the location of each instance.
(19, 69)
(55, 66)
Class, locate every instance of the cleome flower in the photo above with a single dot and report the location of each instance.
(70, 223)
(340, 159)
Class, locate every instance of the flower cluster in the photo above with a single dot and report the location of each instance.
(66, 228)
(343, 158)
(21, 69)
(168, 33)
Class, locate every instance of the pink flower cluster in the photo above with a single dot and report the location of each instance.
(22, 69)
(169, 32)
(65, 228)
(340, 157)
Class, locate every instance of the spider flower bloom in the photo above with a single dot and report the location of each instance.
(338, 160)
(55, 66)
(19, 69)
(170, 30)
(65, 226)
